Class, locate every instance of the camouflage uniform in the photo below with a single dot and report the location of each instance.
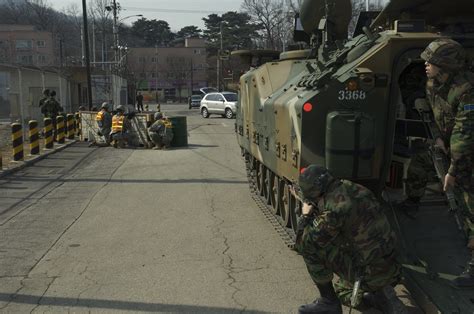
(160, 133)
(350, 236)
(104, 122)
(452, 104)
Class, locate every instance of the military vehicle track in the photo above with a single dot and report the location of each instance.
(287, 234)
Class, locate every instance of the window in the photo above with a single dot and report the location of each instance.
(219, 98)
(142, 75)
(153, 75)
(154, 59)
(25, 59)
(23, 44)
(40, 43)
(230, 97)
(41, 59)
(197, 51)
(211, 97)
(141, 59)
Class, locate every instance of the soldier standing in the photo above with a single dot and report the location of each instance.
(44, 99)
(51, 109)
(343, 230)
(450, 94)
(139, 102)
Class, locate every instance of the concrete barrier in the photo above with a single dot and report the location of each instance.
(48, 133)
(34, 137)
(17, 142)
(61, 138)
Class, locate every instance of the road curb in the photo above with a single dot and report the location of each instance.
(22, 164)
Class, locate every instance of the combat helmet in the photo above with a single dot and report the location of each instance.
(105, 105)
(446, 54)
(158, 115)
(121, 108)
(314, 181)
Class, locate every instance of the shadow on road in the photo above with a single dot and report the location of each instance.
(180, 181)
(115, 305)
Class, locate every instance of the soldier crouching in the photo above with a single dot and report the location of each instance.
(120, 128)
(160, 132)
(344, 231)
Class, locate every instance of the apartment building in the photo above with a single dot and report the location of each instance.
(24, 45)
(169, 73)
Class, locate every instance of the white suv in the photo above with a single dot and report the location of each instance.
(222, 103)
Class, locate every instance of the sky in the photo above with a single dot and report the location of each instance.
(178, 13)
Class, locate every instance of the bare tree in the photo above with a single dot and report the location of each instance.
(102, 20)
(274, 17)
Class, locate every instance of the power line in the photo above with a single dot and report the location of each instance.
(172, 10)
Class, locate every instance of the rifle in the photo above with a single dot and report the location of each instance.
(440, 161)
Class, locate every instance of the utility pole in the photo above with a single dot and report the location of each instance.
(156, 73)
(115, 30)
(192, 78)
(88, 61)
(367, 5)
(219, 61)
(93, 40)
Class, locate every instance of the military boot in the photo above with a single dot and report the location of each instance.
(328, 303)
(384, 300)
(466, 279)
(410, 207)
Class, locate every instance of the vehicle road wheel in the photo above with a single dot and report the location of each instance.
(268, 185)
(205, 112)
(262, 186)
(274, 194)
(258, 178)
(293, 216)
(287, 202)
(229, 114)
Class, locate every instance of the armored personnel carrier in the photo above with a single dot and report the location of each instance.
(348, 105)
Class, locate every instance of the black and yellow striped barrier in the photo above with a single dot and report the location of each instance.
(70, 126)
(48, 133)
(77, 124)
(60, 136)
(17, 141)
(34, 137)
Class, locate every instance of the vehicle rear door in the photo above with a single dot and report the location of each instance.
(220, 104)
(211, 103)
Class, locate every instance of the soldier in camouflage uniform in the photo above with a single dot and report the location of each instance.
(344, 231)
(51, 109)
(450, 94)
(160, 132)
(44, 99)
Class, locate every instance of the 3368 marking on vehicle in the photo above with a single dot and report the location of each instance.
(351, 95)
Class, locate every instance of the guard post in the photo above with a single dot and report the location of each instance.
(34, 137)
(17, 141)
(60, 130)
(48, 133)
(70, 126)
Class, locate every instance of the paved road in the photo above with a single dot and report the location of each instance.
(101, 230)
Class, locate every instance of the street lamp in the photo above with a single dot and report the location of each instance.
(114, 7)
